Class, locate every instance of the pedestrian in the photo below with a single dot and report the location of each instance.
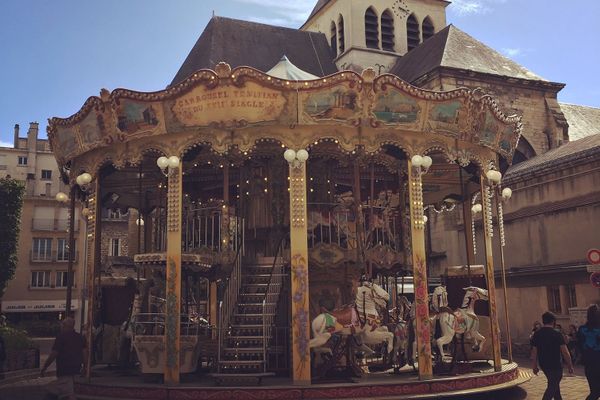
(548, 346)
(572, 343)
(536, 327)
(69, 351)
(588, 338)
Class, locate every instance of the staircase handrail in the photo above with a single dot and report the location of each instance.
(230, 298)
(269, 308)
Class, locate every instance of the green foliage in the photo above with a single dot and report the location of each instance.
(11, 201)
(16, 339)
(40, 328)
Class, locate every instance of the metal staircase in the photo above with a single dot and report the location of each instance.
(246, 321)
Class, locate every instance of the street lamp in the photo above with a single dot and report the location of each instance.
(83, 180)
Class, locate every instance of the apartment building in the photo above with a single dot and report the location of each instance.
(38, 289)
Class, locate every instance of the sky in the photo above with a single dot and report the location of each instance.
(54, 54)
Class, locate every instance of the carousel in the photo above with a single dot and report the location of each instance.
(280, 222)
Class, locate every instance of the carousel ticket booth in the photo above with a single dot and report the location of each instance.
(266, 204)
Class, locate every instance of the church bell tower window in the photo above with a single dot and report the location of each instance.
(342, 44)
(372, 28)
(412, 32)
(387, 31)
(333, 43)
(428, 29)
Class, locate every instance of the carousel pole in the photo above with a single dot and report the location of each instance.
(359, 218)
(417, 230)
(299, 266)
(488, 232)
(173, 270)
(94, 240)
(467, 218)
(506, 194)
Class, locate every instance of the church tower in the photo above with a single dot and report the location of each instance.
(374, 33)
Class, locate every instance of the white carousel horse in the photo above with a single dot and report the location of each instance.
(463, 321)
(359, 319)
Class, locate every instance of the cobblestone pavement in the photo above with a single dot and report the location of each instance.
(572, 387)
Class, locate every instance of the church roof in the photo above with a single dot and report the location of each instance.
(583, 121)
(578, 150)
(320, 4)
(284, 69)
(243, 43)
(453, 48)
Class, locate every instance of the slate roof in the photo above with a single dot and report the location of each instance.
(583, 121)
(320, 4)
(453, 48)
(577, 150)
(244, 43)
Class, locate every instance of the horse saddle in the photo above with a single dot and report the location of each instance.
(346, 316)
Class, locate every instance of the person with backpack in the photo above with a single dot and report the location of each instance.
(588, 339)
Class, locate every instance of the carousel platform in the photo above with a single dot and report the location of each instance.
(107, 384)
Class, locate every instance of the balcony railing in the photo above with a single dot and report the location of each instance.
(52, 225)
(51, 257)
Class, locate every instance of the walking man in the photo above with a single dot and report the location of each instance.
(548, 346)
(70, 355)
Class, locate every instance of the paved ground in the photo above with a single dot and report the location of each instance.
(573, 388)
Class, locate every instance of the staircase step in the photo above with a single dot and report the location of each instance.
(253, 315)
(243, 349)
(241, 362)
(254, 304)
(242, 337)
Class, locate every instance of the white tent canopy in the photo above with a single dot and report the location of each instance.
(284, 69)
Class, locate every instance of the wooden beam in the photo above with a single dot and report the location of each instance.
(486, 202)
(299, 264)
(173, 312)
(417, 230)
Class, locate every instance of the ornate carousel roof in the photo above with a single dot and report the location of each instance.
(236, 109)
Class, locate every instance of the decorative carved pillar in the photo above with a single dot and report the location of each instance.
(299, 264)
(172, 336)
(488, 233)
(93, 257)
(417, 229)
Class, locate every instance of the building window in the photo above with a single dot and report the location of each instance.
(372, 28)
(40, 279)
(22, 160)
(334, 37)
(554, 299)
(114, 214)
(428, 29)
(62, 251)
(571, 296)
(342, 44)
(115, 247)
(42, 249)
(412, 32)
(387, 31)
(61, 279)
(46, 174)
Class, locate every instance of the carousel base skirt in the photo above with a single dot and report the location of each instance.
(405, 385)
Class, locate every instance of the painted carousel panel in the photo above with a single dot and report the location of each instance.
(339, 103)
(228, 105)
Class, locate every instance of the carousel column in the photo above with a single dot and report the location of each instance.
(493, 177)
(299, 266)
(417, 229)
(94, 240)
(173, 271)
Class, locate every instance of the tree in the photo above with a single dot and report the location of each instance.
(11, 204)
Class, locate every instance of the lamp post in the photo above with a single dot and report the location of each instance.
(82, 181)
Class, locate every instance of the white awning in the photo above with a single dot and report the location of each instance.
(284, 69)
(15, 306)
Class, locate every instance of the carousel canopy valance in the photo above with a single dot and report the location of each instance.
(236, 108)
